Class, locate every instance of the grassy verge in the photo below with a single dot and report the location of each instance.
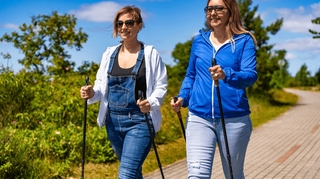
(263, 110)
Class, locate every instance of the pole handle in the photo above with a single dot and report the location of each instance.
(175, 99)
(214, 63)
(87, 81)
(140, 94)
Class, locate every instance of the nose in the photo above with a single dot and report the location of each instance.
(124, 26)
(213, 12)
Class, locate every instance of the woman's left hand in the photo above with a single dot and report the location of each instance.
(144, 105)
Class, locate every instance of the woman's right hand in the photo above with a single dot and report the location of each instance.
(176, 105)
(86, 92)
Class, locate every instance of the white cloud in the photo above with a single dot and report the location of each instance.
(290, 56)
(315, 9)
(10, 26)
(97, 12)
(298, 20)
(299, 44)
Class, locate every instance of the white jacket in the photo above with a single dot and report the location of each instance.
(156, 77)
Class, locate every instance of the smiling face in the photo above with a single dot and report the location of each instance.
(127, 27)
(217, 14)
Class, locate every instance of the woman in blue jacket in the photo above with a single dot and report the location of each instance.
(234, 50)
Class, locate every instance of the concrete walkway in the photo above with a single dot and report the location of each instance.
(287, 147)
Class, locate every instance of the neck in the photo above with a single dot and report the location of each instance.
(220, 34)
(131, 47)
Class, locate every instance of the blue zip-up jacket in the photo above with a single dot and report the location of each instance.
(238, 61)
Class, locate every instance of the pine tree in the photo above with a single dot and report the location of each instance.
(315, 33)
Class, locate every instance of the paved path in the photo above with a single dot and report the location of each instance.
(287, 147)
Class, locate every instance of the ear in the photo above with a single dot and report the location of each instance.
(140, 26)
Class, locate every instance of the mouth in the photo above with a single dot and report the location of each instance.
(124, 33)
(214, 19)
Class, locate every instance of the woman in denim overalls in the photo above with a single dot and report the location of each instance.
(125, 69)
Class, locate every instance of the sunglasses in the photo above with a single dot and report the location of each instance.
(129, 23)
(216, 9)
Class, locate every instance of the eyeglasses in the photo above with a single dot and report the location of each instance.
(129, 23)
(217, 9)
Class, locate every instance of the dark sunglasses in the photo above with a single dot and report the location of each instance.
(217, 9)
(129, 23)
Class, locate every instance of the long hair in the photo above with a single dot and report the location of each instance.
(235, 23)
(136, 15)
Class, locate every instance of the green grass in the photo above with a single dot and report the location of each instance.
(263, 110)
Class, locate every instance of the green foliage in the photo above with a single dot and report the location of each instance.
(15, 95)
(181, 54)
(88, 68)
(44, 40)
(16, 157)
(50, 124)
(50, 145)
(265, 107)
(268, 61)
(317, 76)
(5, 55)
(303, 77)
(315, 33)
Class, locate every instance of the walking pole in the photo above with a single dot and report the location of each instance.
(223, 123)
(180, 119)
(84, 132)
(141, 97)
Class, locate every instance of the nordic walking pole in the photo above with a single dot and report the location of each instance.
(141, 97)
(180, 119)
(84, 132)
(223, 123)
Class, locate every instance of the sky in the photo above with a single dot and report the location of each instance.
(167, 23)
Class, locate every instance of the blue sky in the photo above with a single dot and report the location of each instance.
(167, 23)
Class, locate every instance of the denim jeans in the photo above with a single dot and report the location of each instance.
(131, 141)
(202, 135)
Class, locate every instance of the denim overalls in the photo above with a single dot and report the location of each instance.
(126, 125)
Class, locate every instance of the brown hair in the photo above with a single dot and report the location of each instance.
(134, 11)
(235, 23)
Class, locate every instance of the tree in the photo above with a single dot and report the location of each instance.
(88, 68)
(317, 76)
(6, 56)
(315, 33)
(44, 40)
(303, 77)
(267, 60)
(181, 56)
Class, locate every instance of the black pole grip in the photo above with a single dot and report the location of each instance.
(175, 99)
(140, 94)
(214, 62)
(87, 80)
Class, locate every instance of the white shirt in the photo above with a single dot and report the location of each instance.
(156, 77)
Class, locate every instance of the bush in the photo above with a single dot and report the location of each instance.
(43, 139)
(15, 96)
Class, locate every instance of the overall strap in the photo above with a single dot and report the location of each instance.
(139, 61)
(112, 58)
